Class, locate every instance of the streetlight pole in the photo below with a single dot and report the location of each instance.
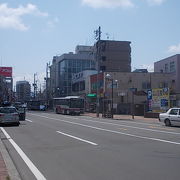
(108, 76)
(98, 38)
(132, 104)
(35, 85)
(112, 113)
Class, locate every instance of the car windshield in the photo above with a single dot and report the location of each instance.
(7, 110)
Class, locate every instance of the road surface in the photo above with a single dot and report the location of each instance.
(61, 147)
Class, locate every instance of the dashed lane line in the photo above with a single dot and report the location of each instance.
(28, 120)
(74, 137)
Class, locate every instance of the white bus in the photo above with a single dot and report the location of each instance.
(71, 105)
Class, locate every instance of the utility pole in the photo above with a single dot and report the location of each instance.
(47, 88)
(98, 38)
(35, 85)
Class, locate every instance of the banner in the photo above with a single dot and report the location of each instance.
(158, 99)
(6, 71)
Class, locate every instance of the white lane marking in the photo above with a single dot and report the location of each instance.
(127, 126)
(116, 132)
(122, 120)
(28, 162)
(77, 138)
(28, 120)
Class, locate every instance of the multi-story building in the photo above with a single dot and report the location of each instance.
(113, 56)
(170, 65)
(81, 82)
(23, 91)
(63, 67)
(6, 84)
(128, 88)
(2, 88)
(105, 54)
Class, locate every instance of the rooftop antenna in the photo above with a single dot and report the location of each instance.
(107, 36)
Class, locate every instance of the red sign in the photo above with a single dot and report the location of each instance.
(6, 71)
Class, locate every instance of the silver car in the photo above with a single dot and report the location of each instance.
(9, 115)
(171, 117)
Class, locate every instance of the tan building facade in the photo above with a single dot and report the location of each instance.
(131, 88)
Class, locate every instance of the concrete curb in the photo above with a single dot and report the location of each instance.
(126, 118)
(12, 171)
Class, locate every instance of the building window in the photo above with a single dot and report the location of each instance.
(172, 67)
(122, 99)
(166, 67)
(163, 85)
(102, 68)
(103, 58)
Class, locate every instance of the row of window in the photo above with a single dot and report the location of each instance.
(145, 85)
(68, 67)
(77, 63)
(170, 67)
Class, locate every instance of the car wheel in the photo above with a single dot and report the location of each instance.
(167, 122)
(17, 124)
(65, 112)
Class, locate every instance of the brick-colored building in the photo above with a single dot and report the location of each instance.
(114, 56)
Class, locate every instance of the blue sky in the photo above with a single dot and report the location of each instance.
(32, 32)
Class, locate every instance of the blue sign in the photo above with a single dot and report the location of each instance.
(164, 102)
(149, 94)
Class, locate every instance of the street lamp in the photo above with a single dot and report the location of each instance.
(108, 76)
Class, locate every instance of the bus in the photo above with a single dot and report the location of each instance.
(36, 105)
(69, 105)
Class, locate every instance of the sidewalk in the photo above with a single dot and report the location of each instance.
(8, 170)
(125, 117)
(3, 170)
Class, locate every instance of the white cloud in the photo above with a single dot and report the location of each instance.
(53, 22)
(149, 67)
(12, 17)
(174, 48)
(155, 2)
(108, 3)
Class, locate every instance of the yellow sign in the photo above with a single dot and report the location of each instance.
(160, 99)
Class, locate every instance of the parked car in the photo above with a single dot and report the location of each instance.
(9, 115)
(21, 108)
(171, 117)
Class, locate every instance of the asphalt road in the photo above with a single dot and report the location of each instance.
(57, 147)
